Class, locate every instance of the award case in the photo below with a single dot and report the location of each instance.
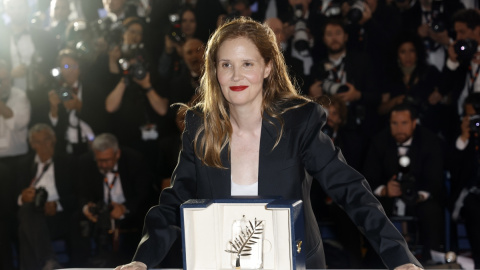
(210, 234)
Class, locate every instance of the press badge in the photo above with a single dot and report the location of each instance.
(149, 132)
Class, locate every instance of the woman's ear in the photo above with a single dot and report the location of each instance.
(268, 69)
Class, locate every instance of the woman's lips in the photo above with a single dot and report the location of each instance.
(238, 88)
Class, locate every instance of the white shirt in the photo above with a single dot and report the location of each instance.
(13, 131)
(72, 131)
(116, 191)
(47, 180)
(244, 190)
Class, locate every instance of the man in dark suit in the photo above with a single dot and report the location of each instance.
(352, 71)
(404, 166)
(113, 191)
(43, 220)
(78, 112)
(461, 74)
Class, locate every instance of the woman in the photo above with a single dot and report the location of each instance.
(412, 80)
(252, 134)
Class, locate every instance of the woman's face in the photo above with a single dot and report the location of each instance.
(189, 23)
(241, 71)
(133, 34)
(407, 54)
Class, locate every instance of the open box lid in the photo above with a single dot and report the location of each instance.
(208, 226)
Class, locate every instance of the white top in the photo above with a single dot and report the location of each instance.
(13, 131)
(244, 190)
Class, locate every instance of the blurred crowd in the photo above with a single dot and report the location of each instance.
(90, 120)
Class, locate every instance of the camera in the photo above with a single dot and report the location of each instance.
(300, 36)
(99, 208)
(437, 24)
(475, 123)
(101, 228)
(332, 88)
(355, 13)
(110, 29)
(465, 49)
(333, 9)
(175, 33)
(407, 181)
(63, 91)
(41, 196)
(133, 63)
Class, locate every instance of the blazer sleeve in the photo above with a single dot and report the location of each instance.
(350, 190)
(162, 222)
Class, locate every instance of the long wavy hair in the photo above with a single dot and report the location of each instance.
(216, 131)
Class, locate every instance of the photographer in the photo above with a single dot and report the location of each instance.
(46, 201)
(373, 24)
(76, 107)
(183, 27)
(465, 171)
(136, 104)
(349, 76)
(412, 80)
(461, 70)
(432, 21)
(304, 38)
(113, 192)
(414, 188)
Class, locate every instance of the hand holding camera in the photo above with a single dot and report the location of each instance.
(393, 188)
(73, 104)
(28, 195)
(93, 217)
(118, 210)
(351, 94)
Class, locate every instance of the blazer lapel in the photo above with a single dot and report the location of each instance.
(220, 179)
(268, 137)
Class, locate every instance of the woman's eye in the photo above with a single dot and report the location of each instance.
(225, 65)
(248, 64)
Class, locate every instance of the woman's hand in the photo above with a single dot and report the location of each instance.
(408, 266)
(132, 266)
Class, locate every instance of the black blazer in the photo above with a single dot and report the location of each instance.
(65, 171)
(134, 176)
(303, 149)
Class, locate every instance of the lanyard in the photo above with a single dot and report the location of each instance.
(336, 70)
(35, 180)
(110, 186)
